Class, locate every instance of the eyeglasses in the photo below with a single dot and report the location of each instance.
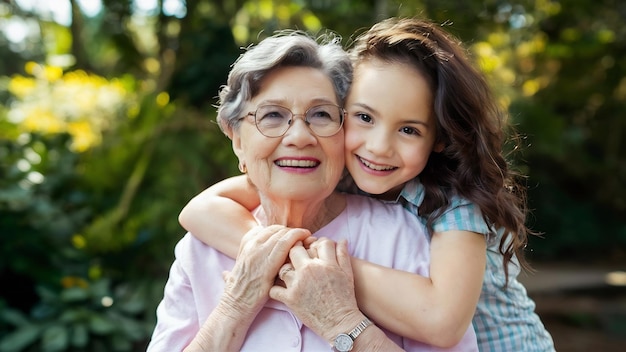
(274, 120)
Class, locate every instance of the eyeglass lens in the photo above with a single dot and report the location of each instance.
(323, 120)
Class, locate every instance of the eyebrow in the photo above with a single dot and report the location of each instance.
(312, 102)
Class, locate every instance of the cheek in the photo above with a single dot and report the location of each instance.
(415, 159)
(336, 147)
(257, 150)
(352, 139)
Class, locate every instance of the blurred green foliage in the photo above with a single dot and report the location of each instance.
(106, 130)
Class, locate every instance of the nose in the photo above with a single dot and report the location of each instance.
(299, 133)
(379, 143)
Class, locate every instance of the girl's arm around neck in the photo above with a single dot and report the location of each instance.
(220, 215)
(435, 310)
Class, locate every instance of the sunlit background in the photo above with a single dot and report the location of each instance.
(107, 130)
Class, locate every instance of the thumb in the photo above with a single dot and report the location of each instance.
(343, 256)
(278, 293)
(225, 274)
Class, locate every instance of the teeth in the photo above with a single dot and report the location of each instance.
(297, 163)
(376, 167)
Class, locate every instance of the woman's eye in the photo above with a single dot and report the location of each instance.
(273, 115)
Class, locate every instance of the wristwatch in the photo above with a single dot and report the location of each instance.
(344, 342)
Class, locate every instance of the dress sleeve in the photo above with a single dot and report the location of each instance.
(177, 320)
(463, 215)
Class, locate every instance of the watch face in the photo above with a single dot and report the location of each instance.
(343, 343)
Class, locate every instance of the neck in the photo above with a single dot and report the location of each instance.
(311, 215)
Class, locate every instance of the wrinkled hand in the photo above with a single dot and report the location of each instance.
(319, 287)
(262, 252)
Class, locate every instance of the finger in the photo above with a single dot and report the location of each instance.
(312, 252)
(225, 274)
(278, 293)
(309, 241)
(326, 251)
(267, 232)
(343, 255)
(259, 234)
(285, 270)
(283, 241)
(298, 256)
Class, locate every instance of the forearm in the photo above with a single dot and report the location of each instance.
(224, 330)
(220, 217)
(223, 230)
(415, 306)
(374, 340)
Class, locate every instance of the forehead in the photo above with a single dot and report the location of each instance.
(395, 82)
(393, 91)
(292, 86)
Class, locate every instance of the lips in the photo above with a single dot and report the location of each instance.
(297, 163)
(376, 167)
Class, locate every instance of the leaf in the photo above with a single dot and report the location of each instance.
(55, 338)
(46, 294)
(19, 339)
(131, 328)
(13, 317)
(73, 315)
(100, 325)
(74, 294)
(121, 343)
(80, 335)
(100, 288)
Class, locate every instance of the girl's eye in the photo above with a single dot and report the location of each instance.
(364, 117)
(410, 131)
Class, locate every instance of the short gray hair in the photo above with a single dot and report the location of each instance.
(284, 48)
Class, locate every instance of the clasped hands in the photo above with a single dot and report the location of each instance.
(315, 279)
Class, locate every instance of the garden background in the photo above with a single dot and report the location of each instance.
(107, 130)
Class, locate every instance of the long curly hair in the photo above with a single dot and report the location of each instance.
(469, 122)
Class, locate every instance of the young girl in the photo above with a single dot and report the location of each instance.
(423, 129)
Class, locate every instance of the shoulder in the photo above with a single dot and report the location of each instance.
(464, 215)
(190, 252)
(413, 192)
(187, 244)
(386, 234)
(375, 214)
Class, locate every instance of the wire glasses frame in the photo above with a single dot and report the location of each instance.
(323, 120)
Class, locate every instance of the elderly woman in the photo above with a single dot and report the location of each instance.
(282, 110)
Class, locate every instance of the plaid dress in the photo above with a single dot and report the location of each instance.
(505, 318)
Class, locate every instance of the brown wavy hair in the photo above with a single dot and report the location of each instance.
(469, 123)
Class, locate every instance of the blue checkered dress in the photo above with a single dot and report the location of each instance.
(505, 318)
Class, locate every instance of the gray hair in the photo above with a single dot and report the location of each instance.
(285, 48)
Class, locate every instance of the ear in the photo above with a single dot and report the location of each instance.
(438, 147)
(226, 129)
(237, 147)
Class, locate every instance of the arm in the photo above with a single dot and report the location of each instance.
(177, 316)
(247, 285)
(262, 252)
(224, 209)
(222, 331)
(435, 310)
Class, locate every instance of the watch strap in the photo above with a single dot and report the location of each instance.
(359, 328)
